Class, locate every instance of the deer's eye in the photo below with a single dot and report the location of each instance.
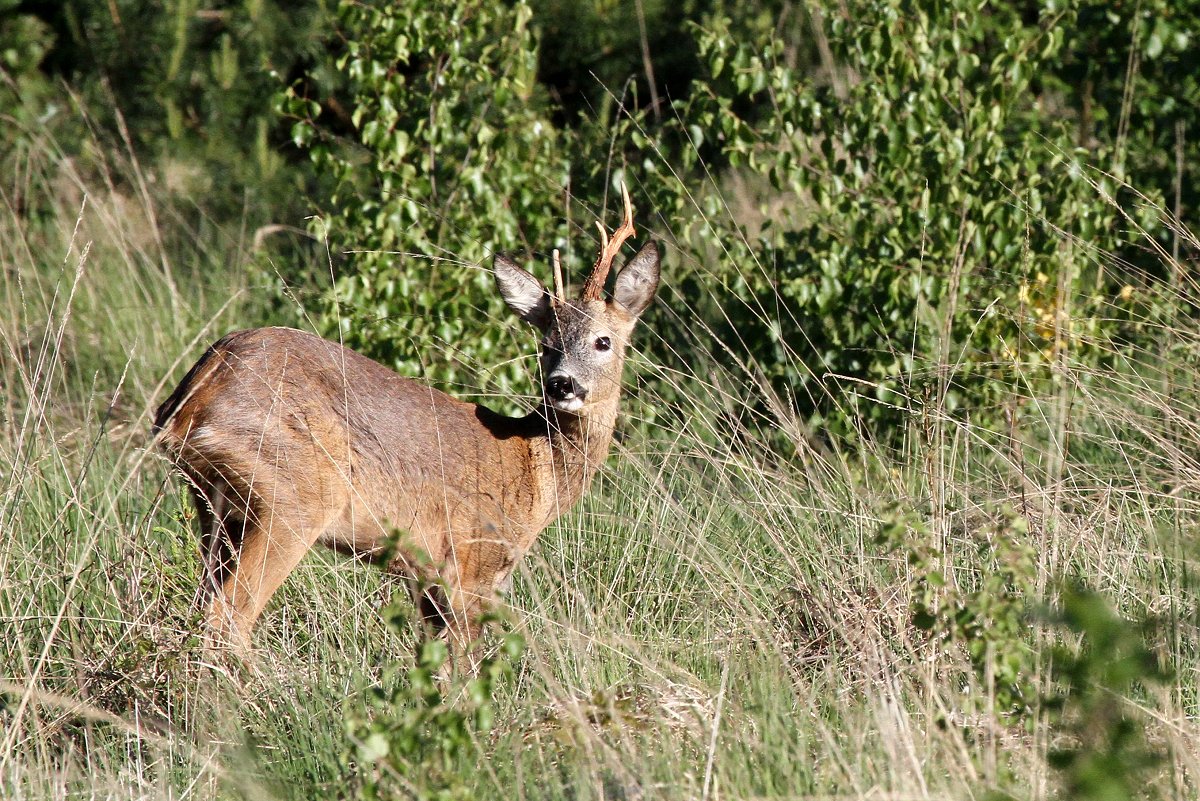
(603, 344)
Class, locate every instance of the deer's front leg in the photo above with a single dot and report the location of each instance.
(475, 569)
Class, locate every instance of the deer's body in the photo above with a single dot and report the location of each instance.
(288, 439)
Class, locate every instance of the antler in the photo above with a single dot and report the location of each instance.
(560, 293)
(593, 287)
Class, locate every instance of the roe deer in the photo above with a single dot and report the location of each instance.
(287, 439)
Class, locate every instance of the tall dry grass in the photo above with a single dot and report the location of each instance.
(716, 620)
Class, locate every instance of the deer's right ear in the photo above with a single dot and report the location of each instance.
(523, 293)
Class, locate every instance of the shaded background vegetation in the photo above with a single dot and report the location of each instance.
(833, 178)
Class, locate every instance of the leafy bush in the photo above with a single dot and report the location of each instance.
(923, 173)
(1129, 73)
(409, 737)
(454, 155)
(24, 42)
(941, 216)
(1100, 666)
(990, 620)
(1106, 754)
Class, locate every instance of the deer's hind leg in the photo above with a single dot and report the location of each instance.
(222, 528)
(272, 539)
(220, 532)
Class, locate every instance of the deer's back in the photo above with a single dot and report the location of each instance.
(287, 418)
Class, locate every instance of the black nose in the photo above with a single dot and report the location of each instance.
(563, 387)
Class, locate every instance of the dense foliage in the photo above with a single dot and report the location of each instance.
(183, 84)
(931, 182)
(453, 156)
(933, 190)
(920, 176)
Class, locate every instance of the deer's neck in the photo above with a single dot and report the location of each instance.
(577, 446)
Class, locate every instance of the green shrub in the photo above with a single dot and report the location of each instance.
(988, 620)
(1103, 753)
(409, 737)
(935, 214)
(1130, 74)
(453, 155)
(928, 245)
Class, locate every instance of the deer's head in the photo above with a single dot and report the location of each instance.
(584, 339)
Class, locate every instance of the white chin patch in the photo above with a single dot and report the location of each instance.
(568, 405)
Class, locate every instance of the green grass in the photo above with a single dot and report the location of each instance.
(716, 619)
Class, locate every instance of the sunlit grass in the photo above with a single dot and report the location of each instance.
(716, 619)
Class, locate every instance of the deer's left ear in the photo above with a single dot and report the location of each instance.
(523, 293)
(638, 281)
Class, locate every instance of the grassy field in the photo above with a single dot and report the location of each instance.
(720, 619)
